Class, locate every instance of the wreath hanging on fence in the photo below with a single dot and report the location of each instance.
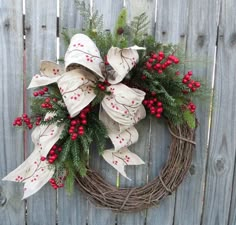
(100, 94)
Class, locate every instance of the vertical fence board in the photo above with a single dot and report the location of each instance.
(222, 143)
(72, 209)
(40, 25)
(202, 33)
(12, 208)
(97, 216)
(171, 27)
(138, 174)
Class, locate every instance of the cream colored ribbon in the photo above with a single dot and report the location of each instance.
(119, 111)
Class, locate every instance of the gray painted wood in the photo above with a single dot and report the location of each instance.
(96, 216)
(12, 208)
(171, 27)
(72, 209)
(40, 25)
(221, 162)
(201, 39)
(191, 23)
(139, 174)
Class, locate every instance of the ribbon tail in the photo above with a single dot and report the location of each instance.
(35, 171)
(121, 158)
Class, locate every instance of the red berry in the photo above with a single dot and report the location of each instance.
(82, 115)
(35, 94)
(160, 71)
(190, 85)
(154, 56)
(25, 115)
(159, 110)
(197, 84)
(73, 122)
(158, 115)
(45, 89)
(84, 122)
(103, 88)
(30, 126)
(51, 161)
(52, 152)
(81, 132)
(187, 77)
(19, 123)
(184, 81)
(81, 128)
(148, 65)
(143, 77)
(161, 54)
(190, 73)
(41, 92)
(159, 104)
(177, 73)
(151, 60)
(176, 60)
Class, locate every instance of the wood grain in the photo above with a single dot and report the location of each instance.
(72, 209)
(201, 39)
(40, 25)
(221, 161)
(12, 208)
(110, 11)
(171, 27)
(139, 174)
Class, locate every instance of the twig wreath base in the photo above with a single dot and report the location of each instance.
(105, 195)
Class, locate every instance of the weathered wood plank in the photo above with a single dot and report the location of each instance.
(221, 162)
(171, 27)
(40, 25)
(110, 11)
(12, 208)
(139, 174)
(202, 33)
(71, 209)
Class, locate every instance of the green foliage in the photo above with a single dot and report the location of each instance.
(92, 23)
(70, 177)
(139, 27)
(190, 119)
(118, 38)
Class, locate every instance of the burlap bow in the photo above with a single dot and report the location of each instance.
(119, 111)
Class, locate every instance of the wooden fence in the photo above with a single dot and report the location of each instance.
(207, 30)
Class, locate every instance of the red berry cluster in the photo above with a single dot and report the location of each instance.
(53, 154)
(55, 184)
(190, 83)
(37, 122)
(191, 107)
(77, 124)
(155, 106)
(24, 119)
(40, 92)
(47, 103)
(156, 62)
(103, 85)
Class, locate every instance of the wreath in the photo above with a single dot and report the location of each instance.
(99, 95)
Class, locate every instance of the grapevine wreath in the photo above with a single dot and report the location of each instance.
(105, 88)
